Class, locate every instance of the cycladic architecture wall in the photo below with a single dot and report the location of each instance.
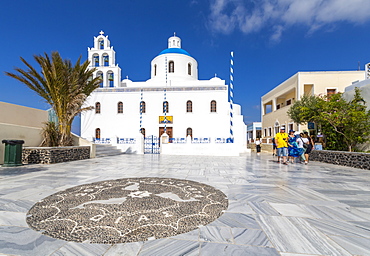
(363, 85)
(173, 101)
(20, 123)
(254, 131)
(276, 103)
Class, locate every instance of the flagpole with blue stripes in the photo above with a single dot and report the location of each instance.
(164, 102)
(231, 91)
(141, 109)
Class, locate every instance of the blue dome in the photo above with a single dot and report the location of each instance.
(175, 50)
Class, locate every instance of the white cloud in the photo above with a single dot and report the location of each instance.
(277, 33)
(251, 16)
(219, 21)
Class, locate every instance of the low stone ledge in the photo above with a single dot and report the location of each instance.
(52, 155)
(351, 159)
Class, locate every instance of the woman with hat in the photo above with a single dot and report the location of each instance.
(293, 149)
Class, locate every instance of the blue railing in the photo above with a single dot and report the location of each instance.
(224, 140)
(194, 140)
(201, 140)
(102, 141)
(177, 140)
(126, 140)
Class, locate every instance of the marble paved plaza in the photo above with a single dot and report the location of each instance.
(271, 209)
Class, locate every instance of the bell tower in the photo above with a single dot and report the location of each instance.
(174, 41)
(103, 58)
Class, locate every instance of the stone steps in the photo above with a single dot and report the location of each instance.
(106, 150)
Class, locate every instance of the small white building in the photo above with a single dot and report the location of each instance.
(195, 114)
(254, 131)
(363, 85)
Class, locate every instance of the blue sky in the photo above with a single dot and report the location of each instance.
(271, 39)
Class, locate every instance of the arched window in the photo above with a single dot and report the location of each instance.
(171, 67)
(120, 107)
(97, 133)
(189, 106)
(110, 79)
(96, 61)
(165, 107)
(189, 132)
(106, 60)
(100, 74)
(189, 69)
(97, 108)
(101, 44)
(155, 69)
(142, 106)
(142, 131)
(213, 106)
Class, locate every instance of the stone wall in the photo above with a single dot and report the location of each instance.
(352, 159)
(265, 147)
(51, 155)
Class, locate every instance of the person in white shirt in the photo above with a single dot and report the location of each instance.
(258, 146)
(300, 142)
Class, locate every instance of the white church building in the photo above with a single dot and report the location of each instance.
(171, 113)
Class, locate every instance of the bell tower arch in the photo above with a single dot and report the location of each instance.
(103, 58)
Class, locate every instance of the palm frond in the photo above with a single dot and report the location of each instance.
(63, 85)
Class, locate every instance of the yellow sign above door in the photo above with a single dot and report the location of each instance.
(165, 119)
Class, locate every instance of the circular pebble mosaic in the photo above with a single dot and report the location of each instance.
(127, 210)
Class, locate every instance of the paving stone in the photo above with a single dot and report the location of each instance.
(274, 209)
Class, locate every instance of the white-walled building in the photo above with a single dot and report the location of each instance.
(363, 85)
(276, 103)
(254, 131)
(21, 123)
(195, 114)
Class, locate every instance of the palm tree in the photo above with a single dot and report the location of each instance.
(64, 86)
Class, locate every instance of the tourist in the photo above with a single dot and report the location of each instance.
(281, 140)
(307, 139)
(293, 150)
(258, 145)
(303, 146)
(273, 147)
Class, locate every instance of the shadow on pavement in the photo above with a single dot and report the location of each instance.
(14, 171)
